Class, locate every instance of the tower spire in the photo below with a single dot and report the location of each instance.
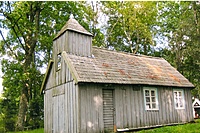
(71, 16)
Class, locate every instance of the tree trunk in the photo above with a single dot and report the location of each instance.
(22, 110)
(30, 45)
(24, 98)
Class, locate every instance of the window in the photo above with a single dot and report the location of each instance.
(150, 98)
(179, 99)
(59, 62)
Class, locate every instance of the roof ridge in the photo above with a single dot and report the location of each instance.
(127, 53)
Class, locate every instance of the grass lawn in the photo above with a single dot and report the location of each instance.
(31, 131)
(186, 128)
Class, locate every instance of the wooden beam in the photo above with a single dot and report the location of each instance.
(70, 66)
(46, 76)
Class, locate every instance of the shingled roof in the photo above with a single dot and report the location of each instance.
(122, 68)
(73, 25)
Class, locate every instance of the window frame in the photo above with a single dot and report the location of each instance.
(182, 97)
(58, 62)
(150, 98)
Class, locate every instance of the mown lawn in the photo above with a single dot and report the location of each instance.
(186, 128)
(31, 131)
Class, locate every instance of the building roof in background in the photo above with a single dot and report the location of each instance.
(196, 103)
(107, 66)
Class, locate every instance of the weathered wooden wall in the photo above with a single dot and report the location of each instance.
(61, 92)
(130, 109)
(48, 111)
(73, 43)
(80, 108)
(61, 102)
(91, 109)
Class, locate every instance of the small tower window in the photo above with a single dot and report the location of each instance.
(59, 61)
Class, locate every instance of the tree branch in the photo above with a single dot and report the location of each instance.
(8, 45)
(18, 37)
(15, 23)
(195, 16)
(13, 27)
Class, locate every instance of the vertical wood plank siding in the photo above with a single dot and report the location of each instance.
(48, 112)
(130, 110)
(91, 109)
(61, 102)
(61, 109)
(73, 43)
(85, 114)
(71, 106)
(75, 40)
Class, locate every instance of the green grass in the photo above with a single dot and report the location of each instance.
(186, 128)
(31, 131)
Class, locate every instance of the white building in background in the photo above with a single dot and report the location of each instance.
(196, 108)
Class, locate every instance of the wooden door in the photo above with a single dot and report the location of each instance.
(108, 109)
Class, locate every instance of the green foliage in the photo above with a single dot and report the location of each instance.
(92, 14)
(36, 111)
(10, 100)
(1, 118)
(28, 46)
(180, 24)
(131, 25)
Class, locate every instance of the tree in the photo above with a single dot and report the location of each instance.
(130, 25)
(180, 25)
(10, 100)
(32, 27)
(93, 15)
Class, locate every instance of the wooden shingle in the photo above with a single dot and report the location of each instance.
(122, 68)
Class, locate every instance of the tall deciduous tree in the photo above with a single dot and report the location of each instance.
(180, 25)
(32, 27)
(93, 18)
(131, 25)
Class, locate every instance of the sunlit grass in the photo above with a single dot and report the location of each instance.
(31, 131)
(186, 128)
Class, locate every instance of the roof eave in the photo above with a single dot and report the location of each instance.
(71, 67)
(46, 76)
(179, 86)
(69, 29)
